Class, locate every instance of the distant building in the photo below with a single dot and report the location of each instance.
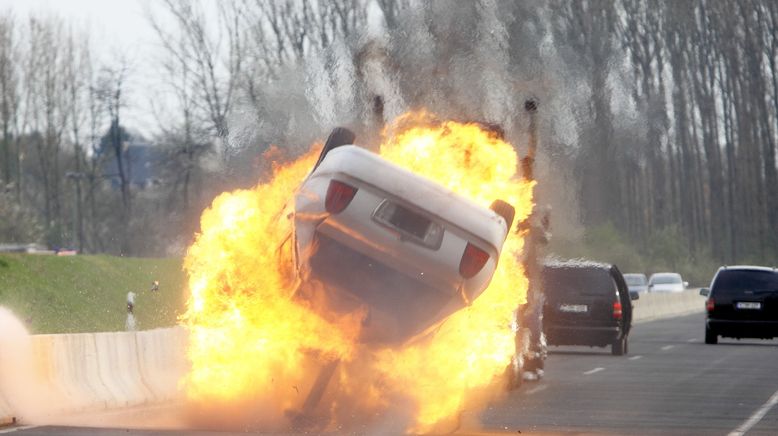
(141, 161)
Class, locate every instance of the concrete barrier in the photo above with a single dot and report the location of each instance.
(93, 371)
(77, 372)
(7, 416)
(162, 361)
(658, 305)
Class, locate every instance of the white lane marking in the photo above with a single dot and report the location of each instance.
(668, 347)
(24, 427)
(691, 340)
(537, 389)
(756, 417)
(635, 357)
(592, 371)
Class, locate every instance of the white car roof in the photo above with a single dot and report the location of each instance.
(675, 277)
(665, 274)
(555, 262)
(368, 167)
(751, 267)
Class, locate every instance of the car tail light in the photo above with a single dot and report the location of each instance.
(710, 304)
(473, 259)
(616, 310)
(339, 195)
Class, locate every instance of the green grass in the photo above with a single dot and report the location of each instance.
(70, 294)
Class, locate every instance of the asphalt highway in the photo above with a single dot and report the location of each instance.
(669, 383)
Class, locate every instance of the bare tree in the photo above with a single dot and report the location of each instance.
(9, 94)
(94, 157)
(185, 140)
(77, 82)
(213, 58)
(589, 28)
(45, 113)
(391, 10)
(110, 92)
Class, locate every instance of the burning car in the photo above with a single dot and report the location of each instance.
(373, 236)
(352, 283)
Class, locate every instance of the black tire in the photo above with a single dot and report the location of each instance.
(505, 210)
(711, 337)
(338, 137)
(617, 348)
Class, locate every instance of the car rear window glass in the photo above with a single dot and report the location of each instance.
(634, 280)
(739, 281)
(585, 281)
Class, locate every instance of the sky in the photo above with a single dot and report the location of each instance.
(113, 21)
(112, 24)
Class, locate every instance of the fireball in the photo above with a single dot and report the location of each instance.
(250, 339)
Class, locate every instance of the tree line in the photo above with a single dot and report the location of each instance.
(699, 161)
(659, 117)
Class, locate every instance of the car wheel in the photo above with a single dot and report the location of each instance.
(505, 210)
(338, 137)
(617, 348)
(710, 336)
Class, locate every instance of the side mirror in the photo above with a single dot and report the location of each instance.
(633, 295)
(685, 284)
(704, 292)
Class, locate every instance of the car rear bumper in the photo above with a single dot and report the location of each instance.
(582, 335)
(744, 328)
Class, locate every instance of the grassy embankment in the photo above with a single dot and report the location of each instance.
(70, 294)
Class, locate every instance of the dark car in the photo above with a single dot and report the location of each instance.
(586, 303)
(742, 303)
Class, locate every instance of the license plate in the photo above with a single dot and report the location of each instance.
(748, 305)
(574, 308)
(411, 225)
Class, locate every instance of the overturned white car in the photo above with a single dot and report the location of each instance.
(371, 235)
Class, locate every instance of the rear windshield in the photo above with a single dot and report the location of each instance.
(739, 281)
(635, 279)
(665, 279)
(564, 281)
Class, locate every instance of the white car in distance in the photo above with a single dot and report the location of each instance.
(666, 282)
(636, 282)
(371, 235)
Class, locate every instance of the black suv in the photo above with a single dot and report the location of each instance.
(742, 303)
(586, 303)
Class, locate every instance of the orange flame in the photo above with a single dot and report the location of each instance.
(474, 345)
(245, 331)
(249, 338)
